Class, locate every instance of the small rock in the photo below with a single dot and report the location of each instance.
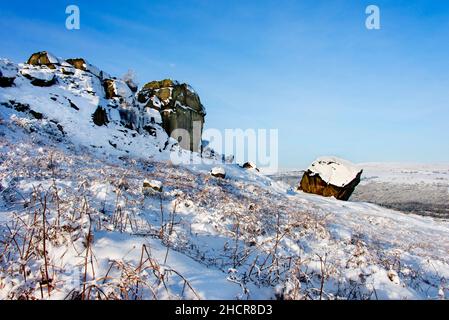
(393, 276)
(218, 172)
(152, 185)
(250, 165)
(100, 118)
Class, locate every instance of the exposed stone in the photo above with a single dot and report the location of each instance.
(73, 106)
(180, 108)
(132, 86)
(218, 172)
(100, 117)
(250, 165)
(22, 107)
(78, 63)
(331, 177)
(118, 89)
(44, 58)
(109, 89)
(155, 85)
(6, 82)
(152, 185)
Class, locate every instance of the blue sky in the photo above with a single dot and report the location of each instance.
(309, 68)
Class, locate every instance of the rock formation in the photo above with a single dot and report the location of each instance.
(180, 108)
(43, 58)
(331, 177)
(162, 109)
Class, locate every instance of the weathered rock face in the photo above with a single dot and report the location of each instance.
(78, 63)
(180, 108)
(159, 108)
(43, 58)
(8, 72)
(331, 177)
(100, 117)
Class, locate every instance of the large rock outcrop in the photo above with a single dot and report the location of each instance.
(180, 108)
(331, 177)
(159, 109)
(44, 58)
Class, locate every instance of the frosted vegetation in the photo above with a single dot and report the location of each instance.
(76, 224)
(100, 212)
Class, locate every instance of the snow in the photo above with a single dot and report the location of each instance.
(405, 173)
(155, 184)
(38, 73)
(398, 256)
(335, 171)
(207, 283)
(152, 113)
(86, 95)
(122, 89)
(251, 165)
(8, 69)
(218, 171)
(243, 237)
(53, 59)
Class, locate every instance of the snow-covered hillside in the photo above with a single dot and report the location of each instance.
(80, 220)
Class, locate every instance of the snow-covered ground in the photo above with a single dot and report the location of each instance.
(418, 188)
(421, 189)
(77, 222)
(245, 237)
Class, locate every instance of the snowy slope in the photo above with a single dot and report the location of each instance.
(76, 222)
(71, 103)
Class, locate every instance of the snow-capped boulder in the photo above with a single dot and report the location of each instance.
(218, 172)
(39, 76)
(331, 177)
(44, 58)
(8, 72)
(152, 185)
(250, 166)
(180, 107)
